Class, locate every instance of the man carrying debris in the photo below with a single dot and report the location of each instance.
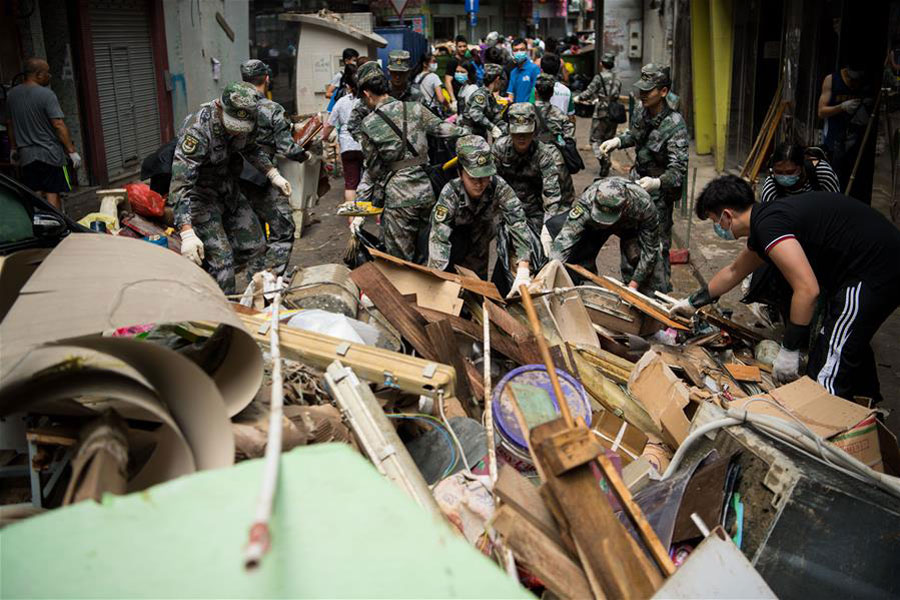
(483, 114)
(215, 220)
(605, 87)
(535, 170)
(661, 141)
(273, 134)
(612, 206)
(395, 150)
(463, 220)
(826, 245)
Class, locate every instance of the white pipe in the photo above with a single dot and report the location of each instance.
(488, 405)
(259, 531)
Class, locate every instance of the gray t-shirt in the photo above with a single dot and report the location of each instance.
(30, 109)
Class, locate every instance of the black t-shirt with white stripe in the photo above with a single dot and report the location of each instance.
(828, 182)
(844, 239)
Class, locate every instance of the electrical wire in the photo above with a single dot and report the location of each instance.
(438, 426)
(462, 452)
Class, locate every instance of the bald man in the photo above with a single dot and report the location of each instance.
(38, 136)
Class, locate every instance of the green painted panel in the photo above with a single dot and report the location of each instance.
(340, 530)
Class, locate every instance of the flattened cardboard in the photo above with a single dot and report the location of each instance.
(663, 395)
(93, 283)
(629, 440)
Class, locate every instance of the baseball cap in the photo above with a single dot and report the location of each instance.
(239, 105)
(652, 76)
(475, 156)
(253, 68)
(398, 60)
(521, 117)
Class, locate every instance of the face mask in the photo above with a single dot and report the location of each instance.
(723, 233)
(520, 56)
(461, 77)
(432, 67)
(787, 180)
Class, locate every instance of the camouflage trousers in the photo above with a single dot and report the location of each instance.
(602, 130)
(401, 230)
(630, 254)
(665, 209)
(274, 209)
(230, 238)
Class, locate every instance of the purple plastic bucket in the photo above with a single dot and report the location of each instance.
(536, 375)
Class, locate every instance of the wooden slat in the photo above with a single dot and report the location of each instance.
(443, 340)
(609, 555)
(472, 284)
(744, 372)
(541, 555)
(730, 326)
(515, 490)
(637, 300)
(395, 309)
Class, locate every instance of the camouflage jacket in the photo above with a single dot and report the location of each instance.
(274, 132)
(661, 149)
(482, 112)
(361, 110)
(396, 173)
(538, 177)
(606, 82)
(638, 216)
(203, 168)
(455, 209)
(553, 126)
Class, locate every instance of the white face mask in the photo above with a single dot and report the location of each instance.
(432, 67)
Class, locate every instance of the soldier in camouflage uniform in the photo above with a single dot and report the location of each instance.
(483, 114)
(463, 222)
(396, 163)
(553, 126)
(605, 86)
(535, 170)
(401, 89)
(273, 134)
(612, 206)
(216, 223)
(660, 138)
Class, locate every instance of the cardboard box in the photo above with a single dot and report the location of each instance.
(847, 425)
(664, 396)
(629, 441)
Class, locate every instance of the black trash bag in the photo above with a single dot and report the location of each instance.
(157, 167)
(504, 273)
(769, 287)
(358, 249)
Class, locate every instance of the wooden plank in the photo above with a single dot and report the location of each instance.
(443, 340)
(541, 555)
(744, 372)
(572, 448)
(476, 381)
(395, 309)
(509, 324)
(515, 490)
(609, 555)
(730, 326)
(639, 301)
(500, 342)
(472, 284)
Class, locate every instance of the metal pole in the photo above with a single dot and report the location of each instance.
(598, 31)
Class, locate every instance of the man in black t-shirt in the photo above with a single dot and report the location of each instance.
(826, 245)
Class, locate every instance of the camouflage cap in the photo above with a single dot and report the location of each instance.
(608, 59)
(653, 76)
(492, 38)
(239, 105)
(609, 198)
(491, 70)
(253, 68)
(475, 156)
(545, 78)
(367, 72)
(521, 117)
(398, 60)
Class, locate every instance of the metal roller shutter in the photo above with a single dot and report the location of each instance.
(126, 82)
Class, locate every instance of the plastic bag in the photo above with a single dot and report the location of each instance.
(145, 201)
(504, 272)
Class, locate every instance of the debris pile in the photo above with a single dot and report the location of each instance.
(589, 442)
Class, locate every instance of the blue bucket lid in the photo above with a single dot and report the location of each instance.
(536, 375)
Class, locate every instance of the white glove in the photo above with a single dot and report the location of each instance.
(496, 133)
(76, 159)
(356, 223)
(453, 106)
(279, 182)
(786, 367)
(683, 307)
(191, 246)
(650, 184)
(610, 145)
(523, 277)
(546, 240)
(850, 106)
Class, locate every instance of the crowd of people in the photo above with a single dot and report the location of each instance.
(481, 150)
